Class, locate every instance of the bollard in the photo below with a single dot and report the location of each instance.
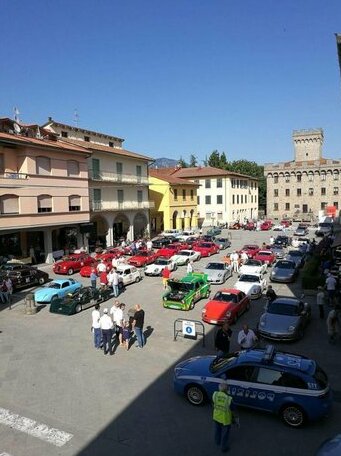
(30, 305)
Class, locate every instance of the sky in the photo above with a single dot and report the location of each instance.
(177, 77)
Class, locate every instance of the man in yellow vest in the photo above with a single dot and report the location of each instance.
(222, 416)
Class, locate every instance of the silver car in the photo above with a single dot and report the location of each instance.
(278, 251)
(284, 319)
(223, 243)
(284, 271)
(297, 256)
(218, 272)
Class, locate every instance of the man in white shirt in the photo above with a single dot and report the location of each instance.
(115, 280)
(272, 240)
(113, 310)
(234, 257)
(320, 301)
(190, 267)
(106, 326)
(331, 287)
(114, 262)
(244, 257)
(246, 338)
(96, 327)
(117, 317)
(149, 245)
(101, 267)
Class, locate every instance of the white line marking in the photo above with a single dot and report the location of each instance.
(5, 454)
(31, 427)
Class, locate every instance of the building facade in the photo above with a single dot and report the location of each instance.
(118, 185)
(304, 188)
(44, 199)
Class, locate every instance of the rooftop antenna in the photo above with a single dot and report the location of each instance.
(75, 117)
(16, 114)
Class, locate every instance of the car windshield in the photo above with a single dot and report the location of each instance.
(53, 285)
(249, 278)
(253, 263)
(161, 261)
(70, 258)
(180, 286)
(281, 308)
(221, 240)
(325, 225)
(184, 253)
(8, 267)
(285, 265)
(216, 266)
(224, 296)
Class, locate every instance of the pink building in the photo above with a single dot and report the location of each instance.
(44, 195)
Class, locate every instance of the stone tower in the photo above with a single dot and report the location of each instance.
(308, 144)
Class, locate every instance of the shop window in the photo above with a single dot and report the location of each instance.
(74, 203)
(9, 204)
(44, 203)
(43, 166)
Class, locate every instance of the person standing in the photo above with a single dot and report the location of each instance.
(222, 340)
(246, 338)
(149, 245)
(101, 267)
(138, 323)
(190, 267)
(222, 416)
(235, 261)
(9, 286)
(270, 294)
(93, 278)
(272, 240)
(320, 301)
(115, 281)
(244, 257)
(331, 287)
(106, 326)
(96, 327)
(332, 326)
(118, 322)
(103, 279)
(165, 276)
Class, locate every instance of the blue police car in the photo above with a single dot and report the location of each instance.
(292, 386)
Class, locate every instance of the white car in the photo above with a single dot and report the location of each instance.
(253, 267)
(278, 228)
(128, 274)
(156, 268)
(186, 235)
(185, 256)
(252, 285)
(174, 233)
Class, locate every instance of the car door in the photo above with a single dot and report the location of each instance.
(128, 276)
(241, 302)
(239, 380)
(268, 389)
(25, 278)
(64, 288)
(89, 298)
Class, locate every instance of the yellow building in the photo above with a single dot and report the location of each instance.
(175, 201)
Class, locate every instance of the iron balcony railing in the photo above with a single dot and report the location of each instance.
(107, 176)
(115, 205)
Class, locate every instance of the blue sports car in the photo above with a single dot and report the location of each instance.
(56, 289)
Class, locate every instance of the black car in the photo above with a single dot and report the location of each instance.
(283, 241)
(162, 242)
(82, 299)
(23, 276)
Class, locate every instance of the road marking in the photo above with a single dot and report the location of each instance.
(5, 454)
(31, 427)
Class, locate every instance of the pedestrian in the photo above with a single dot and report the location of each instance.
(138, 323)
(103, 279)
(222, 340)
(113, 309)
(118, 322)
(9, 286)
(123, 244)
(331, 287)
(244, 257)
(235, 261)
(96, 327)
(93, 278)
(115, 282)
(126, 335)
(320, 301)
(246, 338)
(149, 245)
(165, 276)
(3, 292)
(222, 416)
(101, 267)
(272, 240)
(190, 267)
(106, 326)
(333, 325)
(114, 262)
(32, 255)
(270, 294)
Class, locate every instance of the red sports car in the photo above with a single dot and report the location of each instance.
(266, 226)
(171, 249)
(286, 223)
(250, 249)
(72, 263)
(109, 253)
(250, 226)
(206, 249)
(227, 305)
(86, 270)
(142, 258)
(266, 256)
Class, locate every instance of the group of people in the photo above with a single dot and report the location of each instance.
(115, 326)
(111, 278)
(246, 339)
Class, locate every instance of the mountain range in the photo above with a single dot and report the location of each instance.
(164, 163)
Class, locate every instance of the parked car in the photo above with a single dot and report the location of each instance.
(250, 226)
(279, 227)
(160, 242)
(284, 319)
(206, 249)
(183, 294)
(172, 233)
(156, 268)
(252, 266)
(128, 274)
(301, 230)
(286, 223)
(223, 243)
(278, 251)
(296, 256)
(266, 256)
(214, 231)
(235, 226)
(81, 299)
(23, 276)
(171, 249)
(250, 249)
(324, 229)
(252, 285)
(86, 270)
(72, 263)
(185, 256)
(227, 305)
(142, 258)
(218, 272)
(291, 386)
(266, 226)
(284, 271)
(282, 241)
(56, 289)
(186, 235)
(330, 447)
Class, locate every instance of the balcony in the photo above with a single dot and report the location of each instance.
(106, 176)
(12, 175)
(116, 206)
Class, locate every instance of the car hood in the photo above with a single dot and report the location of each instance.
(216, 310)
(278, 272)
(250, 269)
(154, 267)
(214, 274)
(277, 323)
(196, 365)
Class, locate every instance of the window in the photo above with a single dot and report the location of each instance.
(255, 198)
(219, 183)
(72, 168)
(311, 191)
(120, 196)
(44, 203)
(336, 175)
(9, 204)
(233, 202)
(251, 198)
(111, 144)
(198, 199)
(245, 199)
(287, 178)
(276, 179)
(97, 195)
(219, 199)
(323, 176)
(207, 183)
(74, 203)
(287, 206)
(96, 173)
(275, 192)
(192, 195)
(299, 192)
(43, 166)
(323, 190)
(2, 163)
(241, 373)
(323, 205)
(241, 199)
(275, 206)
(87, 138)
(139, 172)
(274, 377)
(139, 196)
(310, 177)
(305, 208)
(184, 194)
(175, 194)
(336, 204)
(287, 192)
(299, 178)
(233, 183)
(336, 191)
(64, 134)
(119, 168)
(207, 199)
(237, 199)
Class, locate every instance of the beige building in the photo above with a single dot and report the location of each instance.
(302, 188)
(118, 184)
(44, 200)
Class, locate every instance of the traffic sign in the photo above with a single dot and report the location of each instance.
(188, 328)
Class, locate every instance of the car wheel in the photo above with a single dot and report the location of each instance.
(195, 395)
(70, 271)
(78, 308)
(41, 280)
(138, 278)
(293, 415)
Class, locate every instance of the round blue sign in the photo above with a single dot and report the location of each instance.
(189, 329)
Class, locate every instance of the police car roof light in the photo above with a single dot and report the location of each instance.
(269, 353)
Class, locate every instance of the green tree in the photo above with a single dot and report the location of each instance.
(182, 163)
(193, 162)
(214, 159)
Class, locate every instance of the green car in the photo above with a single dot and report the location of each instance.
(183, 294)
(81, 299)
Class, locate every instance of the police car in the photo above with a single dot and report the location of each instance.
(292, 386)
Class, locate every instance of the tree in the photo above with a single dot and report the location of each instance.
(182, 163)
(193, 162)
(214, 159)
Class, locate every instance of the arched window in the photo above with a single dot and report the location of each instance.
(9, 204)
(72, 168)
(44, 203)
(43, 166)
(74, 203)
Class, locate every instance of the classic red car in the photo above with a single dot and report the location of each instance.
(235, 226)
(250, 249)
(286, 223)
(171, 249)
(227, 305)
(142, 258)
(72, 263)
(109, 253)
(206, 249)
(266, 256)
(86, 270)
(266, 226)
(250, 226)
